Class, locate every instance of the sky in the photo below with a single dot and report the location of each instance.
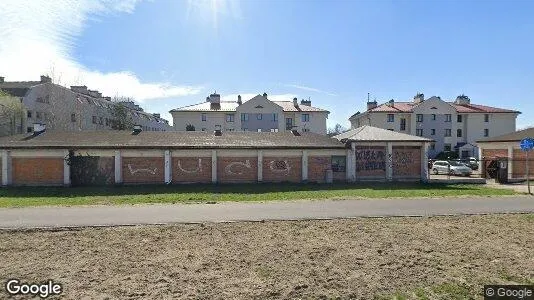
(171, 53)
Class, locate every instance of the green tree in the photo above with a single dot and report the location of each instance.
(121, 117)
(12, 114)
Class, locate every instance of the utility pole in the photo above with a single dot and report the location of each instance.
(528, 174)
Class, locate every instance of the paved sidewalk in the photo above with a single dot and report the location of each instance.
(33, 217)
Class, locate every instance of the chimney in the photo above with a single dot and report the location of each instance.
(418, 98)
(305, 102)
(215, 98)
(295, 102)
(1, 79)
(157, 115)
(137, 129)
(38, 128)
(462, 100)
(390, 103)
(45, 79)
(82, 89)
(239, 102)
(371, 104)
(264, 95)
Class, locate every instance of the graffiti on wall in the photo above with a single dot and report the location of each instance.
(279, 166)
(403, 158)
(237, 167)
(405, 162)
(141, 170)
(198, 168)
(370, 160)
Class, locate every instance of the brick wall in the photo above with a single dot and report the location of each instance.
(237, 169)
(106, 167)
(278, 169)
(406, 162)
(191, 169)
(371, 162)
(143, 170)
(520, 164)
(37, 170)
(317, 166)
(0, 170)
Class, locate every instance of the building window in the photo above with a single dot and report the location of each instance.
(101, 121)
(274, 129)
(447, 132)
(289, 123)
(94, 119)
(447, 147)
(275, 117)
(419, 118)
(432, 146)
(486, 132)
(38, 115)
(433, 117)
(391, 118)
(486, 118)
(29, 129)
(459, 118)
(305, 117)
(203, 116)
(259, 116)
(73, 117)
(305, 130)
(259, 129)
(458, 132)
(419, 132)
(403, 124)
(229, 117)
(244, 117)
(391, 129)
(29, 114)
(229, 129)
(107, 122)
(204, 129)
(448, 118)
(245, 129)
(432, 131)
(339, 163)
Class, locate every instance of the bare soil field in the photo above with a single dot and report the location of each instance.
(365, 258)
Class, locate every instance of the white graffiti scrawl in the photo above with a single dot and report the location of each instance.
(134, 171)
(279, 166)
(228, 169)
(198, 169)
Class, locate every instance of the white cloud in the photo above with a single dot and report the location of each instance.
(37, 37)
(310, 89)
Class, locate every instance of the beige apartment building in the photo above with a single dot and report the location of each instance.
(453, 125)
(74, 109)
(257, 114)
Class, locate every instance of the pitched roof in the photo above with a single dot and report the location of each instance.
(113, 139)
(230, 106)
(407, 107)
(17, 88)
(374, 134)
(511, 137)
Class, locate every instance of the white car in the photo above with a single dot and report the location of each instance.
(452, 168)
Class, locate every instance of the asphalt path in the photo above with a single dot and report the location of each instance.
(81, 216)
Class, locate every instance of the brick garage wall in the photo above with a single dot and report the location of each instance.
(406, 162)
(0, 170)
(106, 167)
(371, 162)
(317, 166)
(37, 170)
(143, 170)
(191, 169)
(519, 162)
(491, 154)
(278, 169)
(237, 169)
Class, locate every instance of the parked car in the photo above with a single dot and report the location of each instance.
(471, 162)
(452, 168)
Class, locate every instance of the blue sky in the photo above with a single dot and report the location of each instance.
(168, 54)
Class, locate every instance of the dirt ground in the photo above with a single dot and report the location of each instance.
(365, 258)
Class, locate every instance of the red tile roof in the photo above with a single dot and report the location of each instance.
(468, 108)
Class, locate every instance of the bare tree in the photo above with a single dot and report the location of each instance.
(11, 114)
(338, 128)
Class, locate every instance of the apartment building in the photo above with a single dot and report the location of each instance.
(257, 114)
(75, 109)
(453, 125)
